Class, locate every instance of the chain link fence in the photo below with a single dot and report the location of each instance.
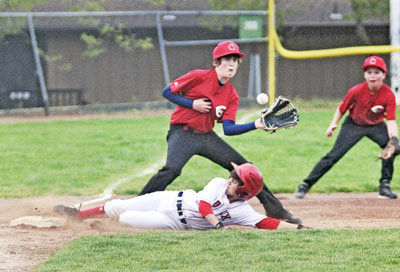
(96, 58)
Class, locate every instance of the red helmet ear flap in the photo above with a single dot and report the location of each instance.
(251, 178)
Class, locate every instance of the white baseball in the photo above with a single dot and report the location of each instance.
(262, 99)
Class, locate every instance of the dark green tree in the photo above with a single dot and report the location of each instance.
(368, 9)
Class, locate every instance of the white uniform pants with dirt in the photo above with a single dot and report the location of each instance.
(157, 210)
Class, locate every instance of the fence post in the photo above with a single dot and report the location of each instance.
(39, 69)
(395, 41)
(162, 50)
(271, 51)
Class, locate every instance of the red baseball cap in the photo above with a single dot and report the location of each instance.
(374, 61)
(226, 48)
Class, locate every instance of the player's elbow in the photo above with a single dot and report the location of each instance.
(228, 132)
(166, 92)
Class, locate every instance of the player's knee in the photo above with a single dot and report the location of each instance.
(173, 171)
(113, 208)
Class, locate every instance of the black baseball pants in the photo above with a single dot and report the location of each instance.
(349, 135)
(184, 144)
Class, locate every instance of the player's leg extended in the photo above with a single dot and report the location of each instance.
(217, 150)
(379, 135)
(181, 147)
(149, 220)
(154, 210)
(147, 202)
(349, 135)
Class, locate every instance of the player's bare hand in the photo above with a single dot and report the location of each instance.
(330, 129)
(259, 123)
(202, 105)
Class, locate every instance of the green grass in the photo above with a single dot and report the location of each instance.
(83, 157)
(347, 250)
(76, 157)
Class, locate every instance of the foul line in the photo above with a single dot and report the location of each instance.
(108, 192)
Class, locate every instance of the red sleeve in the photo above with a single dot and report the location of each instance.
(185, 82)
(205, 208)
(268, 223)
(391, 107)
(347, 102)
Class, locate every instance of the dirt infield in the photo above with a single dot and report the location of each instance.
(23, 248)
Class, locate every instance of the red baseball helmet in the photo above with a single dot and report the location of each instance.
(226, 48)
(374, 61)
(251, 178)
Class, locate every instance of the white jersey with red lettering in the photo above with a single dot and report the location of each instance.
(180, 210)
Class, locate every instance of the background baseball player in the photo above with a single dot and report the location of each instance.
(368, 103)
(221, 203)
(203, 97)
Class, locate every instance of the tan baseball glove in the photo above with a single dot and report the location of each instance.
(391, 150)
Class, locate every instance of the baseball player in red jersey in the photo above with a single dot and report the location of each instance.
(203, 97)
(221, 203)
(368, 104)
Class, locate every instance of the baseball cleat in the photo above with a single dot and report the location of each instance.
(291, 218)
(384, 190)
(387, 194)
(70, 211)
(302, 190)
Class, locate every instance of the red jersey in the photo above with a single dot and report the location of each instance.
(204, 84)
(359, 102)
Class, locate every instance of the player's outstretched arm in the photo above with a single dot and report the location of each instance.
(333, 125)
(230, 128)
(270, 223)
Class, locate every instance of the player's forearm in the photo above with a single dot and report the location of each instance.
(207, 213)
(336, 117)
(212, 219)
(392, 128)
(177, 99)
(230, 128)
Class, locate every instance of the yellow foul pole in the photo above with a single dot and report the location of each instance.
(275, 44)
(271, 51)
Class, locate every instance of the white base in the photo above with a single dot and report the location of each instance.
(38, 222)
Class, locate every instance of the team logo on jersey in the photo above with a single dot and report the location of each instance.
(216, 204)
(176, 83)
(219, 111)
(225, 215)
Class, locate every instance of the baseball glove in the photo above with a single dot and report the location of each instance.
(391, 150)
(281, 114)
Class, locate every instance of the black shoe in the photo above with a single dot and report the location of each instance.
(384, 189)
(71, 211)
(385, 192)
(291, 218)
(302, 190)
